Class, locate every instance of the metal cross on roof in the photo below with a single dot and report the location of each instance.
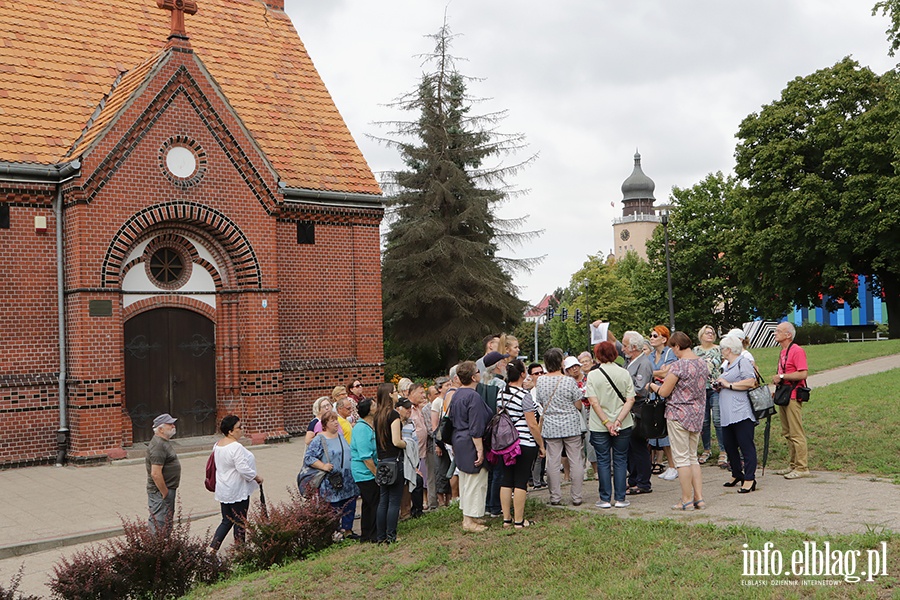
(178, 8)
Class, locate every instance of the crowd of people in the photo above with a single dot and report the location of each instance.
(411, 449)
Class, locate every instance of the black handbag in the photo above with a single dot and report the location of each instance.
(782, 395)
(388, 471)
(650, 418)
(444, 433)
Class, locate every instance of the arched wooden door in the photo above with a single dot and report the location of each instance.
(170, 367)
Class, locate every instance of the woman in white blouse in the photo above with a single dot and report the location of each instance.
(236, 480)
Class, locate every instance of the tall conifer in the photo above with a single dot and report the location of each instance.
(444, 284)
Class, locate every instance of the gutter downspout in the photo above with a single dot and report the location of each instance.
(66, 172)
(62, 434)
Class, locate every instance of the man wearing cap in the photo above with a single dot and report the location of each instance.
(163, 473)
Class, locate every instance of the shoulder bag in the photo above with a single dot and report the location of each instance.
(309, 479)
(444, 433)
(388, 471)
(210, 481)
(761, 398)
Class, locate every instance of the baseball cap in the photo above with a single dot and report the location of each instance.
(492, 358)
(163, 419)
(570, 361)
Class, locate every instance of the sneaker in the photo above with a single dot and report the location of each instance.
(602, 504)
(797, 474)
(783, 471)
(622, 504)
(671, 474)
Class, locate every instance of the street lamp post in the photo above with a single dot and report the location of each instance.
(664, 219)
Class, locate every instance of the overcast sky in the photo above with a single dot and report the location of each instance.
(587, 82)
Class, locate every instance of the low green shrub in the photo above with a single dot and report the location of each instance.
(142, 564)
(291, 531)
(12, 592)
(813, 333)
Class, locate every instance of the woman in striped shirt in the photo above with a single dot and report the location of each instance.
(517, 403)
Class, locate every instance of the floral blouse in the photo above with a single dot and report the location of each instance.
(687, 402)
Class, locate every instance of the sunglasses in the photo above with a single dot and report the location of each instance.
(355, 385)
(654, 335)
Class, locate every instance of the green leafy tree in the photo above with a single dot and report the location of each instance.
(648, 294)
(599, 293)
(822, 199)
(890, 8)
(705, 288)
(445, 284)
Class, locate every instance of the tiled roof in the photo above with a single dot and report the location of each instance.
(60, 58)
(540, 308)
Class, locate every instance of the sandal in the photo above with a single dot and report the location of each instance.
(684, 506)
(524, 524)
(723, 461)
(704, 457)
(657, 469)
(507, 523)
(634, 491)
(699, 504)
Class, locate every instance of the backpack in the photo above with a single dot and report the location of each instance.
(210, 481)
(501, 432)
(501, 437)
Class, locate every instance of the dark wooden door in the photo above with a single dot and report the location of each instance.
(170, 366)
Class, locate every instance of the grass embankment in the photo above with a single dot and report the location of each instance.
(568, 554)
(851, 426)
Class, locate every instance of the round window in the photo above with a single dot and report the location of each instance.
(181, 162)
(166, 266)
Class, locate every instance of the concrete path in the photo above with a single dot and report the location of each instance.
(51, 512)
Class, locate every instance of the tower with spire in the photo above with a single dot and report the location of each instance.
(639, 219)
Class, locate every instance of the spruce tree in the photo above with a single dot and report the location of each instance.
(444, 284)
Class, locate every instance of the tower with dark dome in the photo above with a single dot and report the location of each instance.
(634, 228)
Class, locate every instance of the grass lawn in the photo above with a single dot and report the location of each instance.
(567, 554)
(826, 356)
(852, 426)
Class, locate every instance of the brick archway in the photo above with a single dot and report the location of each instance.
(226, 233)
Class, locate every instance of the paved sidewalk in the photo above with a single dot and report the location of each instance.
(51, 511)
(864, 367)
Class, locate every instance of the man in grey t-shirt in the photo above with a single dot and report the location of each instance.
(163, 473)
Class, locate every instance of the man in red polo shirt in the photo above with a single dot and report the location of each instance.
(792, 371)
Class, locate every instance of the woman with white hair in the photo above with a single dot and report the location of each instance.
(738, 420)
(322, 404)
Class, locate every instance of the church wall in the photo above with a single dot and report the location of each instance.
(29, 360)
(330, 308)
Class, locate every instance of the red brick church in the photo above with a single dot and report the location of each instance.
(186, 226)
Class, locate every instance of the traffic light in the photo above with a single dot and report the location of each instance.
(564, 313)
(577, 315)
(551, 312)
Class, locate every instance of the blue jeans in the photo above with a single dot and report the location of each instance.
(347, 509)
(233, 515)
(604, 444)
(388, 513)
(711, 416)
